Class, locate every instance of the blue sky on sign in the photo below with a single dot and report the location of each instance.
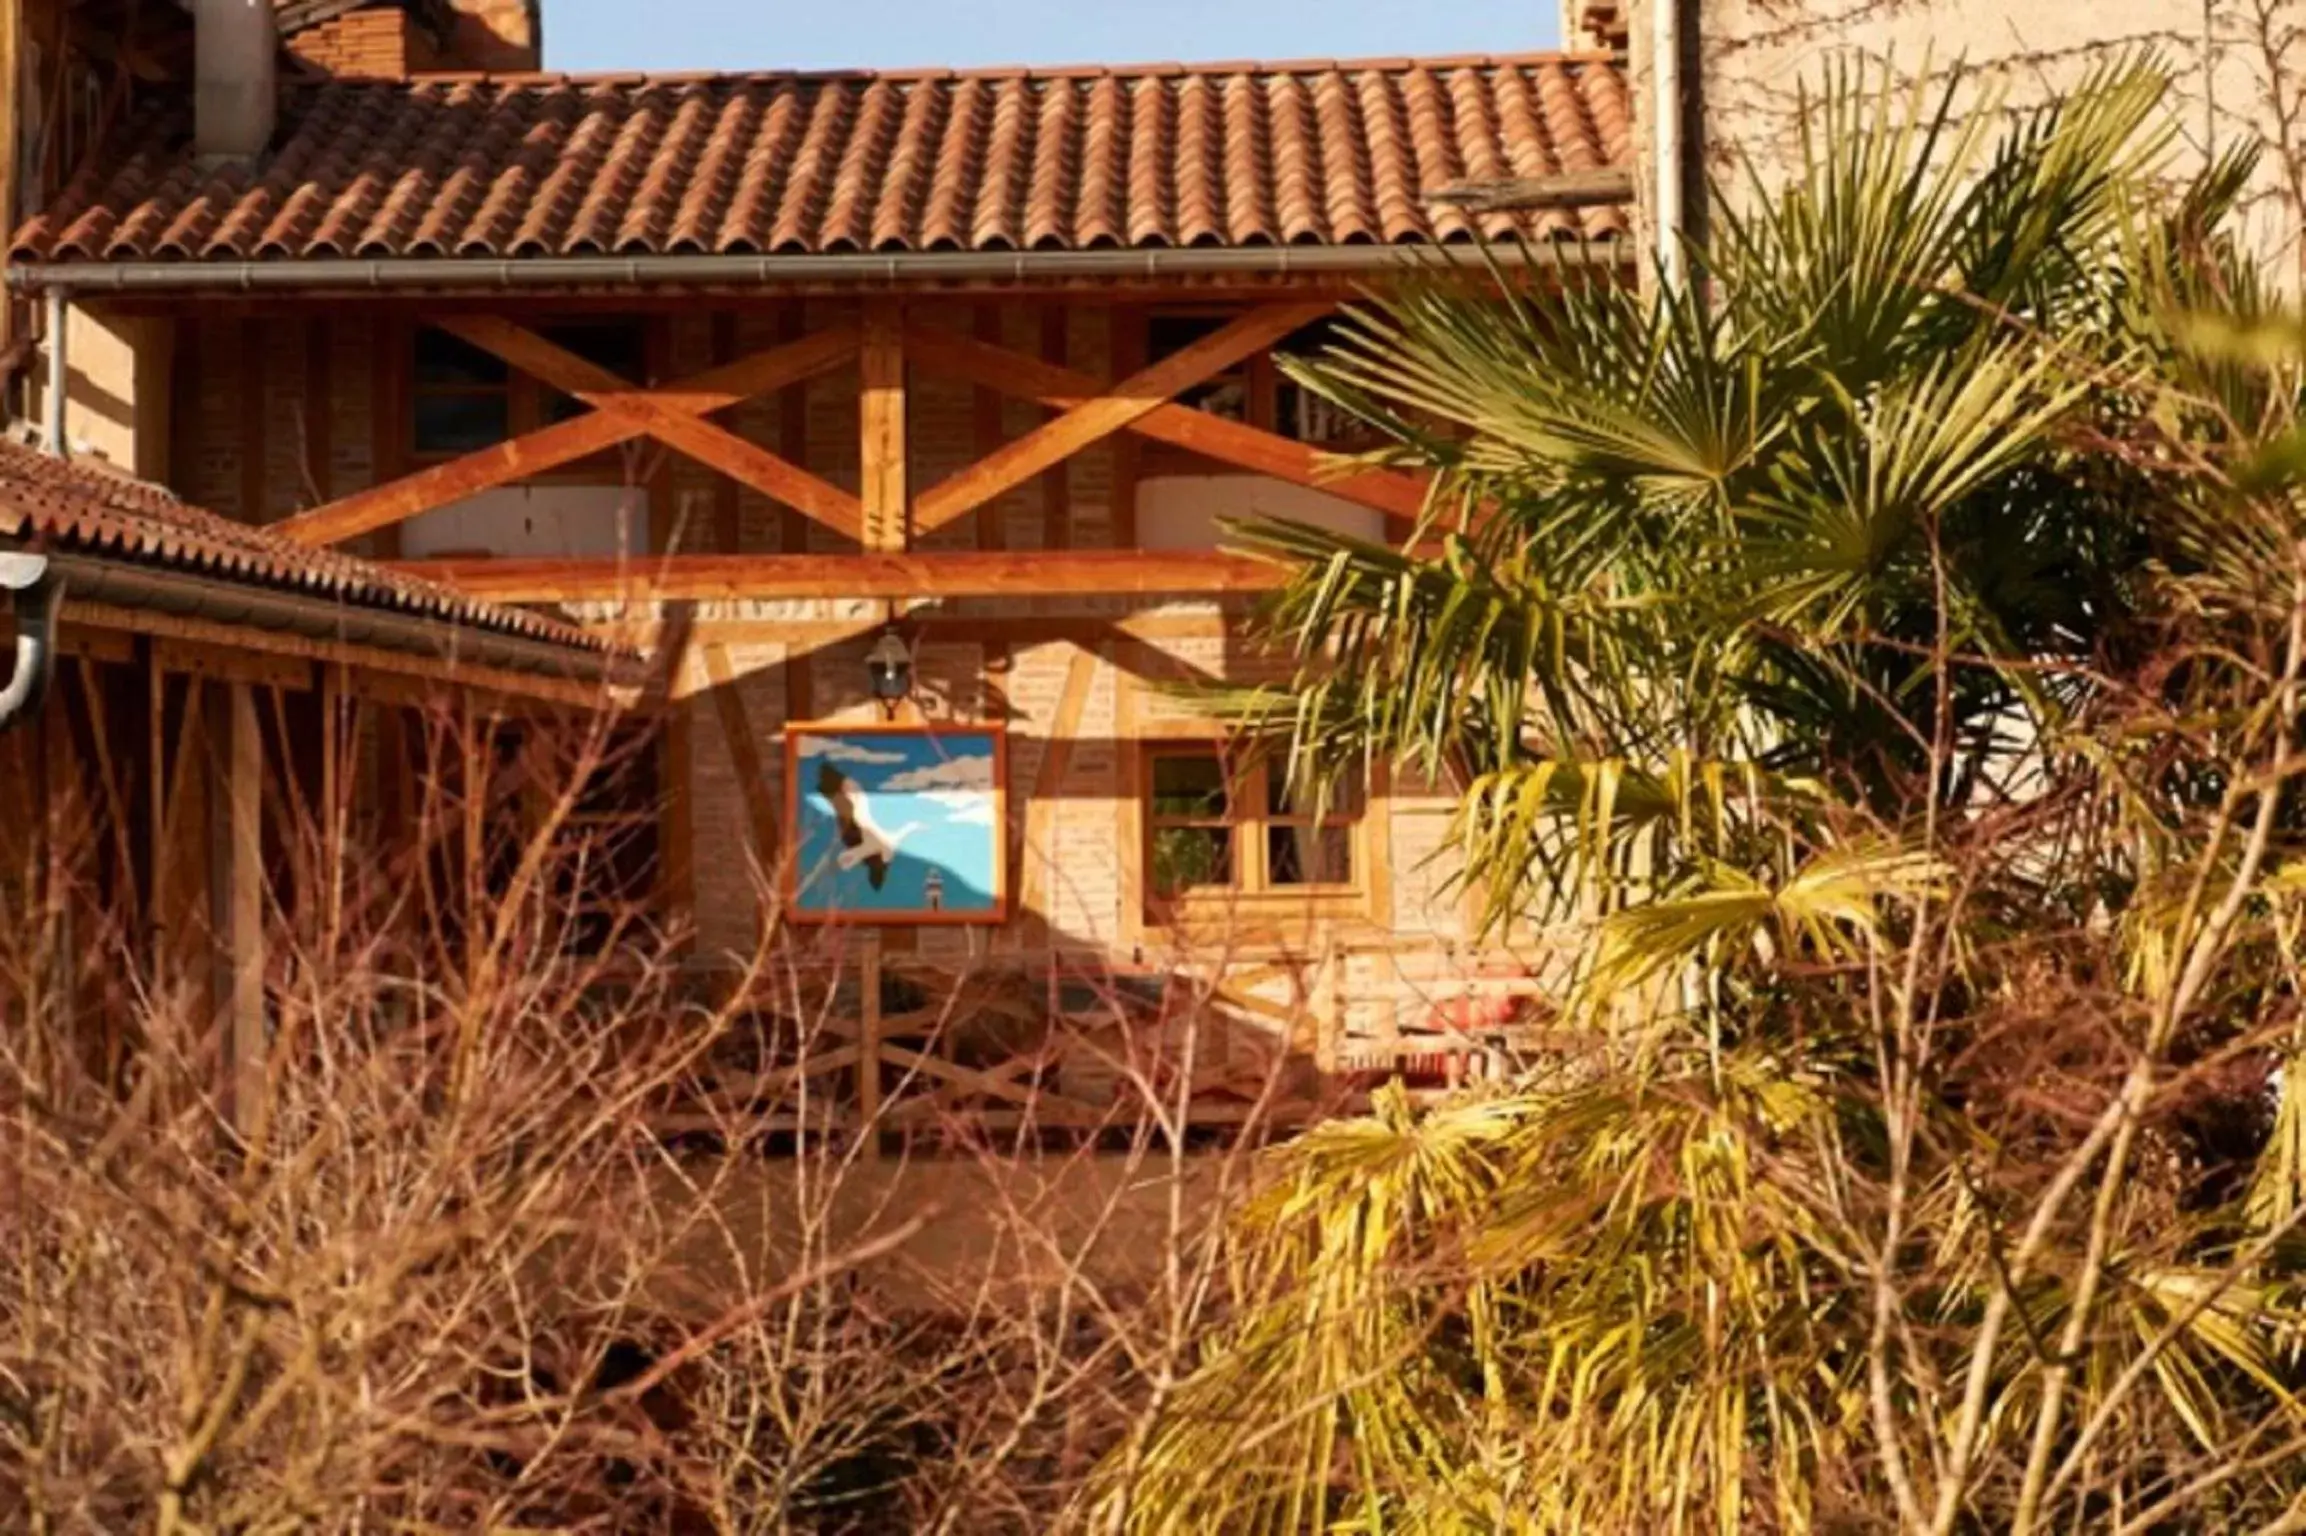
(926, 803)
(883, 34)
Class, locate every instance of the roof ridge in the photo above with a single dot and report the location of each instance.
(1154, 68)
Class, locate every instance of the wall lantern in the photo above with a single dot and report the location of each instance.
(38, 591)
(889, 670)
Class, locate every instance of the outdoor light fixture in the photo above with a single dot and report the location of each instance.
(889, 668)
(38, 592)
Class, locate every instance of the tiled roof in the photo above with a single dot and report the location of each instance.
(94, 510)
(1314, 153)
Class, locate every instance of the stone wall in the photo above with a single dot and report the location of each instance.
(2237, 68)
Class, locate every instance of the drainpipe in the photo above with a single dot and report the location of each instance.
(1665, 135)
(38, 592)
(59, 373)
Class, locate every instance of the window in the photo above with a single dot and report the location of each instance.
(1255, 391)
(466, 398)
(1216, 830)
(1301, 414)
(463, 396)
(1226, 394)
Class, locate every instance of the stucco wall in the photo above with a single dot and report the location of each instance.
(2237, 69)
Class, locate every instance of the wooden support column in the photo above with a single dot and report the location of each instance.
(793, 427)
(881, 427)
(869, 1043)
(244, 902)
(1057, 479)
(988, 408)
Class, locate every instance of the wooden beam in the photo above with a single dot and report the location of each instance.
(669, 419)
(1057, 479)
(793, 428)
(244, 905)
(565, 442)
(1399, 496)
(957, 573)
(881, 427)
(728, 518)
(1563, 189)
(987, 408)
(1093, 419)
(440, 672)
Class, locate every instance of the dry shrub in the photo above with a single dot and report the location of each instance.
(436, 1263)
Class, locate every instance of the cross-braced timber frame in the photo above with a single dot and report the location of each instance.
(885, 517)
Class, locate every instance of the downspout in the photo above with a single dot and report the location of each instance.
(38, 592)
(59, 374)
(1665, 119)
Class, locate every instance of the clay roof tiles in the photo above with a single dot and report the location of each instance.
(90, 508)
(1244, 155)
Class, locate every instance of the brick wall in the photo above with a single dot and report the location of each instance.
(379, 43)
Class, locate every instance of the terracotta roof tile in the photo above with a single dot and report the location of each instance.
(1312, 153)
(87, 507)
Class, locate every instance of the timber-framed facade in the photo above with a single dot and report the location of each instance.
(746, 371)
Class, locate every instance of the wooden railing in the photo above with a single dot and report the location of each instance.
(858, 1038)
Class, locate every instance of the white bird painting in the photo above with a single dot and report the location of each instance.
(864, 841)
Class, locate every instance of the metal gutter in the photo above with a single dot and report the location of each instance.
(352, 273)
(438, 637)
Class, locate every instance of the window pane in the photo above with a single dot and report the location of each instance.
(461, 423)
(442, 361)
(1281, 799)
(1309, 855)
(1189, 785)
(620, 346)
(1187, 857)
(1226, 395)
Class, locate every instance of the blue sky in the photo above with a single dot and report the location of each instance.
(747, 34)
(930, 796)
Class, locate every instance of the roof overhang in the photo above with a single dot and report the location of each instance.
(115, 594)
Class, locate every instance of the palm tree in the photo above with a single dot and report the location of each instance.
(1876, 662)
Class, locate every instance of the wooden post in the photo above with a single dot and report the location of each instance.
(881, 427)
(869, 1045)
(244, 903)
(11, 130)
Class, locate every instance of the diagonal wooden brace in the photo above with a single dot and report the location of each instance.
(1101, 413)
(1400, 497)
(673, 414)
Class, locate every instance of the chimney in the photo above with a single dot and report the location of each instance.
(235, 50)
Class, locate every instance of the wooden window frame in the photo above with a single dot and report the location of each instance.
(528, 401)
(1251, 904)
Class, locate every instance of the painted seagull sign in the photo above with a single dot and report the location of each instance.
(896, 824)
